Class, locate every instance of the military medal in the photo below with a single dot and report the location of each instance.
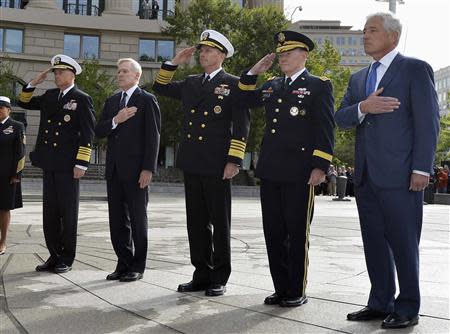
(66, 118)
(217, 109)
(294, 111)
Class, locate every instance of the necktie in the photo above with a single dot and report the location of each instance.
(205, 80)
(372, 78)
(60, 96)
(287, 83)
(123, 100)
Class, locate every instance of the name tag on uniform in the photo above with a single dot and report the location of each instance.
(71, 105)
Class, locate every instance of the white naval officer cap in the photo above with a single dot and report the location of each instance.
(65, 63)
(5, 102)
(216, 40)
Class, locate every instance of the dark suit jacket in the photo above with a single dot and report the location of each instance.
(12, 148)
(394, 144)
(299, 132)
(215, 127)
(66, 128)
(132, 145)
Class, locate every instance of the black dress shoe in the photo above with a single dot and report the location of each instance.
(393, 320)
(131, 276)
(46, 266)
(61, 268)
(215, 290)
(273, 299)
(115, 275)
(366, 314)
(191, 287)
(293, 302)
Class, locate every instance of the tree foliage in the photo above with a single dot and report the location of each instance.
(443, 146)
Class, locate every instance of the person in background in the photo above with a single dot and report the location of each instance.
(12, 156)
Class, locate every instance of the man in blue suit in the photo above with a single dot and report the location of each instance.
(393, 105)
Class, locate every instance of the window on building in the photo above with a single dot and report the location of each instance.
(80, 46)
(11, 40)
(156, 50)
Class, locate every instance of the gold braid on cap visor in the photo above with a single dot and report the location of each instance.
(286, 46)
(212, 44)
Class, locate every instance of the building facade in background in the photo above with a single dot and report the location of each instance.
(442, 83)
(349, 43)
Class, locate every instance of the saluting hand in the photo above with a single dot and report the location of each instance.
(40, 77)
(145, 178)
(375, 104)
(183, 56)
(317, 177)
(125, 114)
(230, 171)
(264, 64)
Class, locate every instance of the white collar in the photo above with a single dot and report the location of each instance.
(295, 75)
(4, 121)
(388, 58)
(213, 73)
(131, 90)
(65, 91)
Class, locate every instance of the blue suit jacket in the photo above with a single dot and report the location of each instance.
(394, 144)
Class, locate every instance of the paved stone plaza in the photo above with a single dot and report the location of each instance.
(82, 301)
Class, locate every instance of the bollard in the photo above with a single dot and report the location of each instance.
(341, 185)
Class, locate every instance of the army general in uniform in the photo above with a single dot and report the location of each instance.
(63, 149)
(296, 151)
(212, 148)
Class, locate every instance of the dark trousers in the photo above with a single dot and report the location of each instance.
(391, 224)
(208, 211)
(127, 205)
(287, 210)
(61, 193)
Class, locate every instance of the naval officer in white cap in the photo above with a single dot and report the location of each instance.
(212, 148)
(63, 149)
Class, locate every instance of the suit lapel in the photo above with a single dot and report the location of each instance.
(133, 98)
(391, 71)
(362, 83)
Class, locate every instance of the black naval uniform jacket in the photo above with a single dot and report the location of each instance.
(299, 133)
(215, 127)
(66, 128)
(132, 145)
(12, 149)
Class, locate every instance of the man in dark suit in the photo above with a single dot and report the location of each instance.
(212, 148)
(393, 105)
(132, 122)
(63, 150)
(295, 155)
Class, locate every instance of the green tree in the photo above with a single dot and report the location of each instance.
(443, 146)
(97, 83)
(8, 80)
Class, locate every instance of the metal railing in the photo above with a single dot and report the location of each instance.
(81, 9)
(150, 14)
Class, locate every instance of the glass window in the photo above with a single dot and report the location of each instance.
(165, 50)
(1, 39)
(147, 50)
(72, 45)
(13, 40)
(90, 47)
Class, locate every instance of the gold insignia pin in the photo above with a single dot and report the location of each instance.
(302, 112)
(57, 60)
(294, 111)
(66, 118)
(281, 37)
(217, 109)
(204, 36)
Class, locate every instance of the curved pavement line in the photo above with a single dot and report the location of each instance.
(108, 302)
(4, 301)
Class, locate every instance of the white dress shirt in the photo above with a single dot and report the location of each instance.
(129, 93)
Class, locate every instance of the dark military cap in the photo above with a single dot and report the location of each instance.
(289, 40)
